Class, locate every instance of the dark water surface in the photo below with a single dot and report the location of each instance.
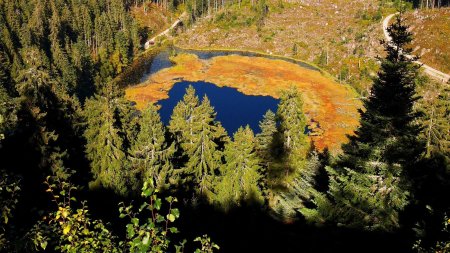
(234, 109)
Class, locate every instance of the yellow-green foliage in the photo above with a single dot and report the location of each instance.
(241, 172)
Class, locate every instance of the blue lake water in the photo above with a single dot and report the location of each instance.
(234, 109)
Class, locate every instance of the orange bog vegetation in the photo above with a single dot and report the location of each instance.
(331, 108)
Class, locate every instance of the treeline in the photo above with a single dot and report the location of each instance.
(78, 42)
(430, 4)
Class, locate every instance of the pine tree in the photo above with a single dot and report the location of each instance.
(369, 184)
(292, 129)
(183, 117)
(151, 155)
(436, 121)
(241, 173)
(300, 190)
(204, 155)
(44, 106)
(105, 146)
(265, 139)
(200, 138)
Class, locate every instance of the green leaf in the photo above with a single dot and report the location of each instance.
(171, 217)
(44, 244)
(147, 192)
(173, 230)
(160, 218)
(142, 207)
(130, 231)
(158, 204)
(146, 239)
(135, 221)
(175, 212)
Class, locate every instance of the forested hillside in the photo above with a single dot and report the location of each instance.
(84, 170)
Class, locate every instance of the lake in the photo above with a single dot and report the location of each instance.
(234, 109)
(242, 86)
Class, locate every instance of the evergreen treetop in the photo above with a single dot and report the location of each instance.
(369, 185)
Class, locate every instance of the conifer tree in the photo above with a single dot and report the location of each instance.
(200, 138)
(436, 122)
(299, 191)
(369, 184)
(105, 142)
(265, 140)
(151, 156)
(46, 110)
(181, 121)
(241, 172)
(204, 154)
(292, 129)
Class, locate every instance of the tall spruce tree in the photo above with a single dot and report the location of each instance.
(369, 185)
(47, 112)
(183, 117)
(200, 138)
(204, 153)
(292, 125)
(265, 140)
(106, 138)
(151, 156)
(436, 122)
(241, 173)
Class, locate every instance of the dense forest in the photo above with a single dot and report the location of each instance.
(430, 3)
(83, 170)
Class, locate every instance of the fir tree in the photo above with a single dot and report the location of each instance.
(368, 184)
(46, 111)
(199, 137)
(183, 117)
(300, 190)
(292, 129)
(265, 139)
(151, 155)
(105, 142)
(241, 174)
(204, 154)
(436, 122)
